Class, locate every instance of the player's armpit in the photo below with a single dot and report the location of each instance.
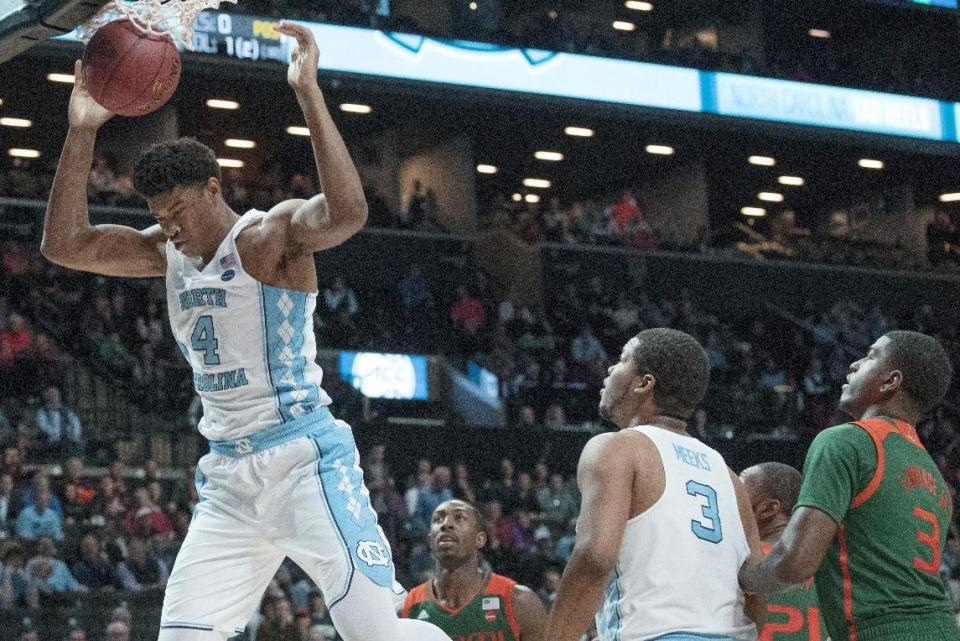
(530, 613)
(297, 227)
(111, 250)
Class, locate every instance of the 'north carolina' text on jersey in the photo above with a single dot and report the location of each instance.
(678, 563)
(251, 346)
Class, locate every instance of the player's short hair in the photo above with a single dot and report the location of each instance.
(777, 481)
(474, 510)
(185, 162)
(679, 364)
(924, 364)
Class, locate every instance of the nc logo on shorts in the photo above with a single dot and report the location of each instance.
(373, 553)
(243, 446)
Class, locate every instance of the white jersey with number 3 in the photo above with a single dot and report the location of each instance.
(678, 563)
(251, 346)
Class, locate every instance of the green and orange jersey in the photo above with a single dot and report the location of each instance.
(893, 508)
(793, 615)
(488, 616)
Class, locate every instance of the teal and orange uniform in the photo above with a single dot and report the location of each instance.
(793, 615)
(880, 579)
(488, 616)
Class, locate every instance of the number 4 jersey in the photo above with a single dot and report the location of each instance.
(251, 346)
(880, 578)
(678, 563)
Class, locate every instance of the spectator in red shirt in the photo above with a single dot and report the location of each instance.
(17, 340)
(623, 213)
(145, 518)
(468, 314)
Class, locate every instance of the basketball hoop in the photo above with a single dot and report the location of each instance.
(153, 17)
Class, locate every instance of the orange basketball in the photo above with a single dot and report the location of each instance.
(129, 72)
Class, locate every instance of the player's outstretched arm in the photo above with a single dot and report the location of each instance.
(341, 211)
(605, 476)
(68, 237)
(530, 613)
(756, 604)
(796, 556)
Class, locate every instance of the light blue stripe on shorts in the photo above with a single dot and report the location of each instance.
(318, 419)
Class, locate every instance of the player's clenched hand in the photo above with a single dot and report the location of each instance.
(302, 73)
(85, 112)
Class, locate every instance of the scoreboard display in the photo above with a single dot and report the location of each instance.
(239, 36)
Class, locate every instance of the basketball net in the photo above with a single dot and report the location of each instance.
(174, 18)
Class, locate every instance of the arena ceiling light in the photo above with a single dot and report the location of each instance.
(486, 169)
(354, 108)
(950, 198)
(819, 33)
(762, 161)
(754, 212)
(870, 163)
(792, 181)
(660, 150)
(24, 153)
(239, 143)
(66, 78)
(579, 132)
(623, 25)
(293, 130)
(230, 163)
(549, 156)
(15, 122)
(220, 103)
(532, 198)
(770, 197)
(536, 183)
(517, 198)
(636, 5)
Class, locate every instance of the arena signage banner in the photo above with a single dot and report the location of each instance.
(822, 106)
(462, 63)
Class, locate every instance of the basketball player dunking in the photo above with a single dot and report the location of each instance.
(665, 525)
(282, 477)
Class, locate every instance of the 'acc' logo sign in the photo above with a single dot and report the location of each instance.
(372, 553)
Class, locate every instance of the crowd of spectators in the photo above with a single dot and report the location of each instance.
(112, 535)
(614, 220)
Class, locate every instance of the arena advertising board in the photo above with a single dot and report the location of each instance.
(462, 63)
(387, 376)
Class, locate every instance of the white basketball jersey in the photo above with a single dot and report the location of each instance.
(679, 560)
(251, 346)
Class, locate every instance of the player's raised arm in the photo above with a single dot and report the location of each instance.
(68, 237)
(605, 476)
(326, 220)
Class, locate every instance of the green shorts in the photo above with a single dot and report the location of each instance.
(928, 628)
